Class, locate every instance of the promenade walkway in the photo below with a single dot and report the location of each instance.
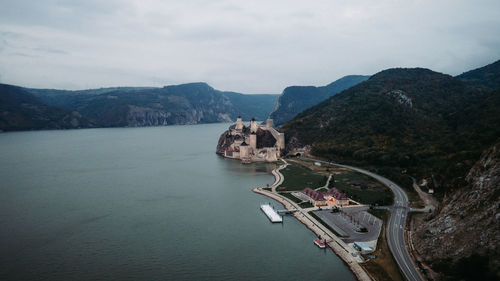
(341, 249)
(278, 177)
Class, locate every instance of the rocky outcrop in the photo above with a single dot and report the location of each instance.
(142, 116)
(461, 242)
(225, 140)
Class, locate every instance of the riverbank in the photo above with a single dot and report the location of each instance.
(342, 250)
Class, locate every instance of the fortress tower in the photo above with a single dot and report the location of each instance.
(253, 140)
(240, 142)
(244, 150)
(269, 124)
(239, 123)
(253, 126)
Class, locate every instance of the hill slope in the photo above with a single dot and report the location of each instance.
(296, 99)
(461, 242)
(428, 125)
(415, 119)
(487, 77)
(20, 110)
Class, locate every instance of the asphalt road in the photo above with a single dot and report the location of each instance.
(395, 229)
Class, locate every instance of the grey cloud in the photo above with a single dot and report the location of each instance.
(50, 50)
(248, 46)
(19, 54)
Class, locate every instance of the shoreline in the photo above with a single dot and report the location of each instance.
(336, 245)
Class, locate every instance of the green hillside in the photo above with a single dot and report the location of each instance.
(252, 106)
(20, 110)
(424, 122)
(487, 77)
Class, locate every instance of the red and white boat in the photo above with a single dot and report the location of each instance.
(320, 243)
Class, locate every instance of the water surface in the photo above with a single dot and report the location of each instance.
(143, 204)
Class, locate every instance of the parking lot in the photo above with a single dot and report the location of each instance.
(350, 221)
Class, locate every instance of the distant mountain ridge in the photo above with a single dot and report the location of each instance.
(296, 99)
(20, 110)
(191, 103)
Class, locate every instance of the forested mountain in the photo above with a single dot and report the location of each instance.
(296, 99)
(20, 110)
(487, 77)
(252, 106)
(427, 123)
(144, 106)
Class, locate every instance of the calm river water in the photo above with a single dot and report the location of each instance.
(143, 204)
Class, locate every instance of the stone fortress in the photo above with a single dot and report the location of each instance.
(251, 143)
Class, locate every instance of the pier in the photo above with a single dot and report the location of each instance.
(271, 213)
(287, 212)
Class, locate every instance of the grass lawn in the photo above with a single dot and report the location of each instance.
(290, 196)
(305, 205)
(381, 196)
(298, 178)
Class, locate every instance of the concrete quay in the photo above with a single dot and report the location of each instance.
(341, 249)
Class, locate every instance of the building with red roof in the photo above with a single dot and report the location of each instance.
(333, 197)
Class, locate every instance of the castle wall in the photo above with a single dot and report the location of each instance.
(244, 153)
(269, 124)
(280, 138)
(253, 141)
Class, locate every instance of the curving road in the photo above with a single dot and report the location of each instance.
(395, 228)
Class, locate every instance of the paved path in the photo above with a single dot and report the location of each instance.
(340, 248)
(326, 184)
(395, 228)
(278, 177)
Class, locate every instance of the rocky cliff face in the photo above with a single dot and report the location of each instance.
(461, 242)
(137, 116)
(225, 140)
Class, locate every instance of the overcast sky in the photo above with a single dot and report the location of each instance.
(245, 46)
